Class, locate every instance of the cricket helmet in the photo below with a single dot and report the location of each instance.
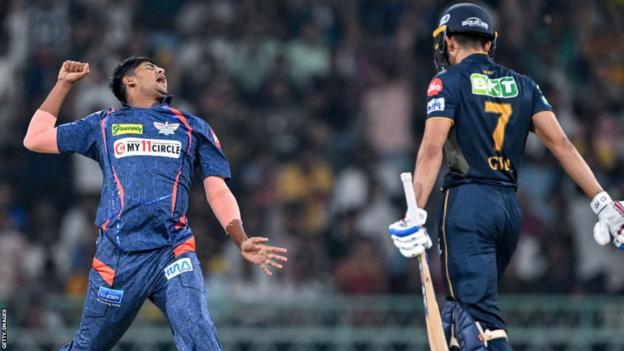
(462, 18)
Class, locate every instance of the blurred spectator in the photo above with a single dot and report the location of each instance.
(361, 272)
(387, 109)
(307, 56)
(75, 246)
(13, 249)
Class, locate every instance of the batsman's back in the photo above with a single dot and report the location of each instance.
(491, 108)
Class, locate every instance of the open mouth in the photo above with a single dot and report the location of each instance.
(161, 79)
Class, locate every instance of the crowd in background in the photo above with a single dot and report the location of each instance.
(319, 106)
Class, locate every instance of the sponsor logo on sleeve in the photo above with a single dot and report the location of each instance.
(178, 267)
(504, 87)
(110, 296)
(126, 147)
(474, 22)
(436, 104)
(166, 128)
(126, 128)
(435, 87)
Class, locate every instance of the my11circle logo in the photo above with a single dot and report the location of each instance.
(147, 147)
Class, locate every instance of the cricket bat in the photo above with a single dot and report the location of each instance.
(435, 334)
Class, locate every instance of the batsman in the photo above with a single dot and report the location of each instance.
(479, 115)
(148, 152)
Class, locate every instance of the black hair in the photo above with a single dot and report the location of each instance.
(123, 69)
(470, 40)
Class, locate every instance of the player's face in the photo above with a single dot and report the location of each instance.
(151, 79)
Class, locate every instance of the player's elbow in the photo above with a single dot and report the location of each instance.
(29, 143)
(561, 145)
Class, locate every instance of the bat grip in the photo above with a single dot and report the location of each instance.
(410, 197)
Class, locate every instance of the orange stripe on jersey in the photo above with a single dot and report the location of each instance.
(122, 194)
(189, 132)
(107, 273)
(120, 188)
(103, 129)
(174, 192)
(181, 222)
(187, 246)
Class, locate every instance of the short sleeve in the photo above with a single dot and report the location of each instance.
(212, 160)
(440, 102)
(540, 103)
(80, 136)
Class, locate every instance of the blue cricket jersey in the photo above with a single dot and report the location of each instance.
(491, 108)
(148, 157)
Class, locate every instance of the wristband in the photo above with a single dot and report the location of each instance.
(600, 201)
(235, 230)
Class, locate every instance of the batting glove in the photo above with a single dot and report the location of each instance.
(610, 220)
(410, 236)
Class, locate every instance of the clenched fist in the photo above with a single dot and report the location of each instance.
(72, 71)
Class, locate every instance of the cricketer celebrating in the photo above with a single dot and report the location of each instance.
(479, 115)
(147, 151)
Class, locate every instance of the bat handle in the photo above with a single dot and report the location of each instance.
(410, 197)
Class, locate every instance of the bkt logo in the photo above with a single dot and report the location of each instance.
(178, 267)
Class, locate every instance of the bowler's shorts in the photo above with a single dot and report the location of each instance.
(119, 284)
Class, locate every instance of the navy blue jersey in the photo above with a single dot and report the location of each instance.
(148, 157)
(491, 108)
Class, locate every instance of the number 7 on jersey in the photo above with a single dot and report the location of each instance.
(504, 112)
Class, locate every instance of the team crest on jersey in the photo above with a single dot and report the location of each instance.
(435, 87)
(166, 128)
(147, 147)
(503, 87)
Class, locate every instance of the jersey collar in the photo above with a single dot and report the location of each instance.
(165, 101)
(478, 57)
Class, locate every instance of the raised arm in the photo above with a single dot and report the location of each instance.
(41, 133)
(224, 206)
